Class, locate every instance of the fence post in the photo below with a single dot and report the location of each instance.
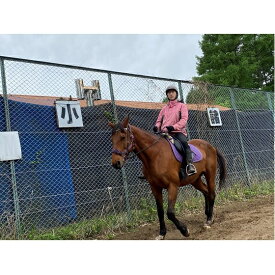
(112, 97)
(182, 99)
(12, 164)
(123, 172)
(180, 91)
(269, 102)
(240, 135)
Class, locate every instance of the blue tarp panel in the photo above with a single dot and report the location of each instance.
(44, 180)
(6, 198)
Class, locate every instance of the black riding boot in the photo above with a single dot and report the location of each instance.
(190, 168)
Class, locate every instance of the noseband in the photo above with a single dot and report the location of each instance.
(130, 147)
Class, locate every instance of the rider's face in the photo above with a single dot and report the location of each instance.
(171, 94)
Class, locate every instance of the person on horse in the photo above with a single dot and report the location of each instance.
(172, 119)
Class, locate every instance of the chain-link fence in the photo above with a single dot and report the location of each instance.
(65, 175)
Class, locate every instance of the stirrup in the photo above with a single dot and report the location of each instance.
(193, 172)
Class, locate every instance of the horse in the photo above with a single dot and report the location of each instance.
(161, 169)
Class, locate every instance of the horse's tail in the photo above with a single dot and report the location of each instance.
(222, 166)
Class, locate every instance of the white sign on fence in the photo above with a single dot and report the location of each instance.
(68, 114)
(10, 148)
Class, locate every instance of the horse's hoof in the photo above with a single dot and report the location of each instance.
(187, 233)
(206, 226)
(160, 237)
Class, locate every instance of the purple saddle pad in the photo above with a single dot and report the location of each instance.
(197, 156)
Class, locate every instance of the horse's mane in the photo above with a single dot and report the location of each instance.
(118, 127)
(147, 133)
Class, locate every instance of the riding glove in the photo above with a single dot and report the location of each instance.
(155, 129)
(170, 128)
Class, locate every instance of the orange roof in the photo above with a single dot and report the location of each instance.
(40, 100)
(49, 101)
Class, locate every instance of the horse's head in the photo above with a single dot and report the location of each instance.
(122, 141)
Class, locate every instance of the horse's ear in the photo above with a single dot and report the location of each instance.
(112, 125)
(125, 122)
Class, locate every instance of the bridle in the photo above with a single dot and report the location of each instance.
(130, 147)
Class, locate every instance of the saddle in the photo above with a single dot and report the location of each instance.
(179, 151)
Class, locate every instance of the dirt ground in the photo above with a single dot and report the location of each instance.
(239, 220)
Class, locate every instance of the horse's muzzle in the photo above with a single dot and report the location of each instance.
(117, 164)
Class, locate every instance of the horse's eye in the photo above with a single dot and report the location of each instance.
(123, 137)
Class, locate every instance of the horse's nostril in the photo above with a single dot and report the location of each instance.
(117, 165)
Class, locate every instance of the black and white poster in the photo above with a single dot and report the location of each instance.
(214, 117)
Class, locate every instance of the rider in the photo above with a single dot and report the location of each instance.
(172, 119)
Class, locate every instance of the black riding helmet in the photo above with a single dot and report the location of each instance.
(171, 87)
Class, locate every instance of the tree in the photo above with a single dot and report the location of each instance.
(241, 60)
(204, 93)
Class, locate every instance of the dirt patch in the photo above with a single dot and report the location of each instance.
(239, 220)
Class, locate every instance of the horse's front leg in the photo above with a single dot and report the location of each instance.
(157, 192)
(172, 197)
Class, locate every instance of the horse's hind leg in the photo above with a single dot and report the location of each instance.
(210, 178)
(209, 200)
(157, 192)
(172, 197)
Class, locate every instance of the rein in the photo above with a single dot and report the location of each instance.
(131, 147)
(142, 150)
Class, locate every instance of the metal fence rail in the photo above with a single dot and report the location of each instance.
(65, 175)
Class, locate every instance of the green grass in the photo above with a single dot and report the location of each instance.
(236, 192)
(240, 192)
(81, 230)
(108, 226)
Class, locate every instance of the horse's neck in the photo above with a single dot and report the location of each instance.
(143, 142)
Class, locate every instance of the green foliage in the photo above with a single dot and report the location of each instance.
(239, 192)
(147, 212)
(109, 116)
(242, 60)
(211, 95)
(248, 100)
(38, 157)
(81, 230)
(214, 95)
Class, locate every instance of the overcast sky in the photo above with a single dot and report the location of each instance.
(171, 55)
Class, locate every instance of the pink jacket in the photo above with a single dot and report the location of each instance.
(173, 114)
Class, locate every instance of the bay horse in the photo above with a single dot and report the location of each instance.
(161, 169)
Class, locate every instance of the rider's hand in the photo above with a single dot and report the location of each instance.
(155, 129)
(169, 129)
